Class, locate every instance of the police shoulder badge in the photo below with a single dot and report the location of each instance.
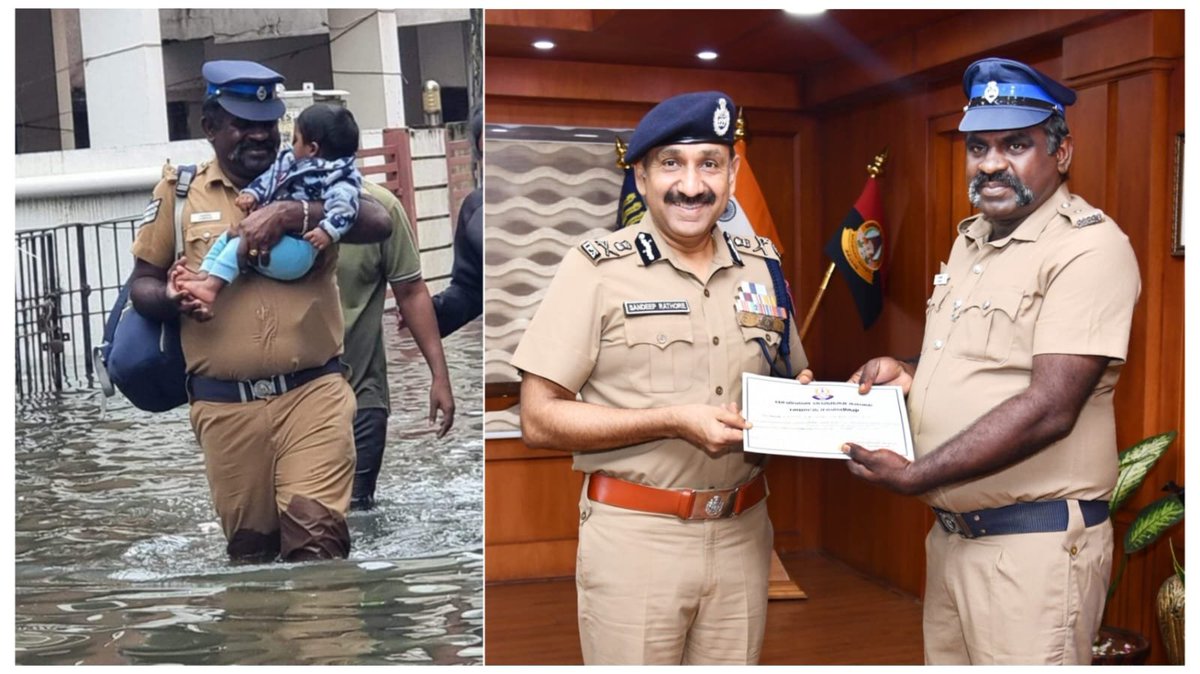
(599, 250)
(1081, 213)
(758, 246)
(721, 118)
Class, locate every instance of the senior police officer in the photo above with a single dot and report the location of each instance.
(1011, 400)
(269, 404)
(653, 326)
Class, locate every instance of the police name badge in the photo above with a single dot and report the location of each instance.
(205, 217)
(657, 307)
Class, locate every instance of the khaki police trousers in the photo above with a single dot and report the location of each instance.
(657, 590)
(280, 470)
(1032, 599)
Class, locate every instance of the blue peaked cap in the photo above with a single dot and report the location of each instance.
(698, 117)
(245, 89)
(1004, 94)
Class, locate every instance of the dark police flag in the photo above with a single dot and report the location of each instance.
(856, 249)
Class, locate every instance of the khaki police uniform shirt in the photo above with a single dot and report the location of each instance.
(261, 327)
(1064, 282)
(631, 335)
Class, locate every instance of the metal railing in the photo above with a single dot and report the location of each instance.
(67, 278)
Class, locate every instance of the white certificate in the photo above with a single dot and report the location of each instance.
(817, 418)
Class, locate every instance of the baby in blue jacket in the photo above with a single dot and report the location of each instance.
(318, 166)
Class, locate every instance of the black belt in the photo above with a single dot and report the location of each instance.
(1019, 518)
(225, 391)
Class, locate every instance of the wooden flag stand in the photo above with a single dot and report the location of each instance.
(779, 584)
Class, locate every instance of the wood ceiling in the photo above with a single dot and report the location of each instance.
(769, 41)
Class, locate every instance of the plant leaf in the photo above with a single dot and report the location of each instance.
(1134, 464)
(1152, 521)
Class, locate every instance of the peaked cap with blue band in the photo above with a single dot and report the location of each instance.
(698, 117)
(1004, 94)
(245, 89)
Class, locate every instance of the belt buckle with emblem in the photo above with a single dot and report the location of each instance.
(715, 506)
(263, 388)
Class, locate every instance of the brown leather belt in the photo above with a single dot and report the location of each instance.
(686, 504)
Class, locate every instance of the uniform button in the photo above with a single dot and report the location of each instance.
(1074, 550)
(937, 343)
(977, 269)
(1066, 204)
(987, 303)
(207, 235)
(720, 390)
(957, 303)
(706, 292)
(662, 339)
(716, 340)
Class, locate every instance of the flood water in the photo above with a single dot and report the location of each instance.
(120, 559)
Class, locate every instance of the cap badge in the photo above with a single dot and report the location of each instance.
(261, 93)
(721, 118)
(991, 92)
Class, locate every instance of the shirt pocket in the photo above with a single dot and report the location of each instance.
(661, 345)
(988, 325)
(754, 339)
(198, 238)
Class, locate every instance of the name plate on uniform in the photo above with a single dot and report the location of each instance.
(817, 418)
(656, 307)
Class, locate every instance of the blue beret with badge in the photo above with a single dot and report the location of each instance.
(245, 89)
(1004, 94)
(698, 117)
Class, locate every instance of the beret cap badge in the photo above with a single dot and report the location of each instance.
(721, 118)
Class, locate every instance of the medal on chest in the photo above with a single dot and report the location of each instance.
(756, 307)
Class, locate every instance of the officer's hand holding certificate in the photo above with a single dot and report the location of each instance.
(817, 418)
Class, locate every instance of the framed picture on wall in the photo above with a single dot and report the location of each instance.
(1179, 222)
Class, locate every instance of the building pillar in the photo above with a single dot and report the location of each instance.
(61, 35)
(365, 56)
(123, 74)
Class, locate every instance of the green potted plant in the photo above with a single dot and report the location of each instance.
(1112, 645)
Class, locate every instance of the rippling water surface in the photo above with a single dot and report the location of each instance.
(120, 559)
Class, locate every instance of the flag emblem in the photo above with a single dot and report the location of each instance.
(863, 248)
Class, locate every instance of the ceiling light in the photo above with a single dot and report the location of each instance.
(804, 12)
(543, 44)
(707, 55)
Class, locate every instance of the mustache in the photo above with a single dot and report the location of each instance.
(1025, 195)
(250, 146)
(676, 198)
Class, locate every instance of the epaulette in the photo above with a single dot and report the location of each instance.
(600, 250)
(758, 246)
(1080, 213)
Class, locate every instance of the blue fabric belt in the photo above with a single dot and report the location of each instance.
(1019, 518)
(246, 390)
